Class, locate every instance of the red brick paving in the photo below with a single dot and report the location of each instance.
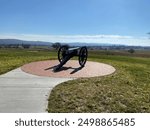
(70, 70)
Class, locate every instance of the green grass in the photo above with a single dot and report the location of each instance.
(13, 58)
(128, 90)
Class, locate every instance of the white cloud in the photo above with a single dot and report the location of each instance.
(113, 39)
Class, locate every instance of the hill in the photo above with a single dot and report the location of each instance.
(16, 41)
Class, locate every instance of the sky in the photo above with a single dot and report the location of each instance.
(92, 21)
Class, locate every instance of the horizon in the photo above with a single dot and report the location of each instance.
(83, 43)
(92, 39)
(123, 22)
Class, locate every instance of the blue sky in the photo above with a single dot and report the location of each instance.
(113, 21)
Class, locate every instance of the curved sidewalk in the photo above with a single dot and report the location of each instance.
(25, 93)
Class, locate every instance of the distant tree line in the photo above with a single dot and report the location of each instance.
(25, 46)
(56, 45)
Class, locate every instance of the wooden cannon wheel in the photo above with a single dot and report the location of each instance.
(62, 52)
(83, 54)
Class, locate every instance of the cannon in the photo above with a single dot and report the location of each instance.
(65, 54)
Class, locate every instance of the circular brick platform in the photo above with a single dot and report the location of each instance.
(71, 69)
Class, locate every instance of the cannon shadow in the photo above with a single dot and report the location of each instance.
(74, 70)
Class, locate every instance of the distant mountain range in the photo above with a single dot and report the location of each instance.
(42, 43)
(16, 41)
(92, 44)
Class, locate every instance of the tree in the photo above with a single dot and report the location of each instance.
(26, 46)
(131, 51)
(56, 45)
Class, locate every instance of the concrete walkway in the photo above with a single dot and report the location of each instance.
(25, 93)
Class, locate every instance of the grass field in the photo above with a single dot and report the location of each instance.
(13, 58)
(128, 90)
